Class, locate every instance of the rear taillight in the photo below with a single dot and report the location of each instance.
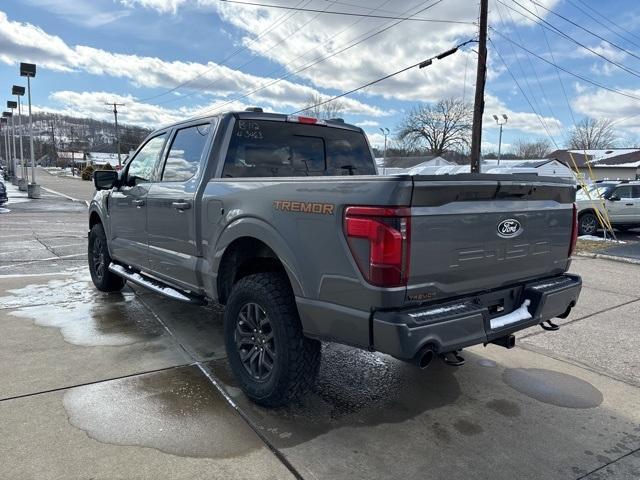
(574, 230)
(379, 239)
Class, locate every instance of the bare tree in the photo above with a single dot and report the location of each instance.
(325, 111)
(441, 126)
(539, 148)
(593, 134)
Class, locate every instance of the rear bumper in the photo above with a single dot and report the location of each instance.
(467, 321)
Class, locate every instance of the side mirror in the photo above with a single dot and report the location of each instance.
(614, 198)
(105, 179)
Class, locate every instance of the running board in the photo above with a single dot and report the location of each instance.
(156, 285)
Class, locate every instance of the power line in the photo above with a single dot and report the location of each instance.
(535, 72)
(557, 70)
(622, 49)
(422, 63)
(524, 75)
(251, 60)
(279, 21)
(577, 75)
(607, 19)
(557, 31)
(317, 61)
(352, 14)
(602, 24)
(544, 125)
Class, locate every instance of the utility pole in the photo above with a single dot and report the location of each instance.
(478, 105)
(385, 132)
(54, 153)
(115, 115)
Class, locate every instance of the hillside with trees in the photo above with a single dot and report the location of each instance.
(54, 132)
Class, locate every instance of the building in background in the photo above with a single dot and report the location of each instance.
(610, 164)
(100, 159)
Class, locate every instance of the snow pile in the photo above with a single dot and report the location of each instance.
(521, 313)
(593, 238)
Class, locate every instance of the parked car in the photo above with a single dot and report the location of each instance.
(619, 200)
(284, 220)
(3, 193)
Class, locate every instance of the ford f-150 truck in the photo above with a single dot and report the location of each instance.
(285, 221)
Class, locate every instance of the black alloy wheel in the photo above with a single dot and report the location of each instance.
(255, 341)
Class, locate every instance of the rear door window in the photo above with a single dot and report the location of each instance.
(263, 148)
(623, 192)
(185, 153)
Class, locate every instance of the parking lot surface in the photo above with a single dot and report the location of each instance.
(135, 385)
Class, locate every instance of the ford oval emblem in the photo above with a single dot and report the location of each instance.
(509, 228)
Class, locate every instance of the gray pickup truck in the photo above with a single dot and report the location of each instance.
(285, 221)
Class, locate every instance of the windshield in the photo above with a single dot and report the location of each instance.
(592, 191)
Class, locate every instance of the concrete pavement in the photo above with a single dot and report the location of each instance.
(73, 187)
(136, 386)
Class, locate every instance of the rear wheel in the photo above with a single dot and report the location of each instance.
(99, 260)
(269, 356)
(587, 224)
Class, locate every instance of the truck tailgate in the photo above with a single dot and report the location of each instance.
(475, 232)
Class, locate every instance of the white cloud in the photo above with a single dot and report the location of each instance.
(80, 11)
(26, 42)
(604, 104)
(527, 122)
(368, 123)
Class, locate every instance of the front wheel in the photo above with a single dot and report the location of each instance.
(269, 356)
(99, 260)
(587, 224)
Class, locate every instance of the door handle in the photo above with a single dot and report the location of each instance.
(138, 203)
(629, 204)
(181, 205)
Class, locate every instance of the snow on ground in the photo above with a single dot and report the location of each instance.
(15, 195)
(593, 238)
(61, 172)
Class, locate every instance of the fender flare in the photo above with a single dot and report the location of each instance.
(254, 227)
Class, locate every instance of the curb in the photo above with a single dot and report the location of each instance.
(614, 258)
(65, 196)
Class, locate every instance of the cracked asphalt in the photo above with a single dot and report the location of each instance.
(135, 385)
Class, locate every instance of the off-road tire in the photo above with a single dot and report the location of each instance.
(587, 224)
(297, 358)
(102, 278)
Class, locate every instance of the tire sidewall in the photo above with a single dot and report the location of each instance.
(245, 292)
(97, 231)
(580, 229)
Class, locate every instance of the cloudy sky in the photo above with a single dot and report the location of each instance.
(172, 59)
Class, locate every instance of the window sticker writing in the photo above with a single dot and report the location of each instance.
(247, 129)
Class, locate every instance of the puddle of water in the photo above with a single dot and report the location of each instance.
(467, 428)
(485, 362)
(504, 407)
(355, 388)
(84, 316)
(554, 388)
(77, 288)
(176, 411)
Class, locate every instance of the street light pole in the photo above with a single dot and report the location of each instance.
(385, 132)
(18, 91)
(12, 106)
(29, 70)
(501, 123)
